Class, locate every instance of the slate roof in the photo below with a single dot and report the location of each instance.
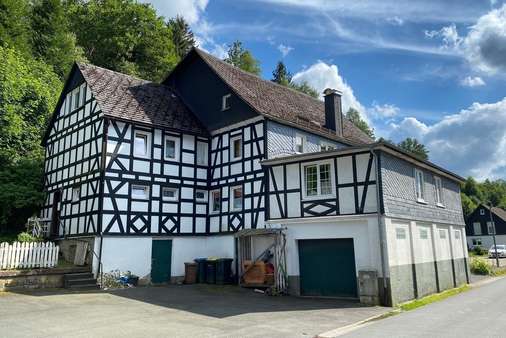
(129, 98)
(501, 213)
(279, 102)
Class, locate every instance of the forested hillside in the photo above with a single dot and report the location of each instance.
(40, 40)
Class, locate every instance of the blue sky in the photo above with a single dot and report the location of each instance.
(435, 70)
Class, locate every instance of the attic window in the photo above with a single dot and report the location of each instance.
(225, 102)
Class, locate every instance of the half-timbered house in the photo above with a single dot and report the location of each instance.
(153, 175)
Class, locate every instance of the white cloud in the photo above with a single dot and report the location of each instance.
(471, 81)
(471, 142)
(383, 111)
(395, 20)
(484, 46)
(191, 10)
(284, 49)
(321, 76)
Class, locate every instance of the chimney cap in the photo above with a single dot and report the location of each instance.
(331, 91)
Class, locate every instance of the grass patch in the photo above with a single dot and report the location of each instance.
(433, 298)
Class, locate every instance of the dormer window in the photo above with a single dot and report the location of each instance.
(225, 102)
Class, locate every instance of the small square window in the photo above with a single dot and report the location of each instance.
(400, 233)
(482, 212)
(237, 198)
(201, 153)
(236, 150)
(141, 144)
(324, 146)
(76, 194)
(215, 201)
(171, 148)
(169, 194)
(442, 233)
(424, 233)
(457, 234)
(140, 192)
(299, 143)
(225, 102)
(201, 195)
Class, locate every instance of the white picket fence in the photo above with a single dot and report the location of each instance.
(28, 255)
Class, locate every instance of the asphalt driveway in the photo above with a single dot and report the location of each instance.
(173, 311)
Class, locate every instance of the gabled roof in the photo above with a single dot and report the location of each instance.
(129, 98)
(280, 102)
(499, 212)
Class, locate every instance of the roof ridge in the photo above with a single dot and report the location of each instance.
(79, 64)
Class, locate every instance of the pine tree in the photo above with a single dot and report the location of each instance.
(281, 75)
(414, 147)
(182, 36)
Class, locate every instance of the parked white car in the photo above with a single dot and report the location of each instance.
(501, 251)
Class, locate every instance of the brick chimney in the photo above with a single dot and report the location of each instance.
(333, 111)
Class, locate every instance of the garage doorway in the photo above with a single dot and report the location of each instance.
(327, 268)
(161, 259)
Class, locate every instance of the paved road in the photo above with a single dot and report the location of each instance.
(480, 312)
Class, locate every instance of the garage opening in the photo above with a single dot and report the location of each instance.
(327, 268)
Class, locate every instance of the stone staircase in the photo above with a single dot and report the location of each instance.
(80, 281)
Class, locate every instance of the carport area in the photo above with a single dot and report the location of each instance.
(174, 311)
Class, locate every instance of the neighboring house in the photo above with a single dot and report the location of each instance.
(479, 227)
(155, 175)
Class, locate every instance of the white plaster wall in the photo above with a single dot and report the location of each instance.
(399, 250)
(134, 253)
(363, 230)
(186, 249)
(127, 254)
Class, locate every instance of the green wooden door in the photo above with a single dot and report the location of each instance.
(327, 268)
(161, 255)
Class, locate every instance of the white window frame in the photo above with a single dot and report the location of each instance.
(211, 201)
(177, 142)
(76, 98)
(232, 205)
(327, 146)
(170, 199)
(477, 226)
(438, 187)
(233, 140)
(302, 145)
(318, 195)
(225, 102)
(204, 199)
(482, 212)
(148, 144)
(204, 159)
(76, 193)
(490, 226)
(144, 187)
(419, 186)
(457, 234)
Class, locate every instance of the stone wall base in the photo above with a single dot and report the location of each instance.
(35, 278)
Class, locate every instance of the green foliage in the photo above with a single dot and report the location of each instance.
(414, 304)
(182, 36)
(14, 32)
(479, 251)
(27, 237)
(468, 204)
(125, 36)
(414, 147)
(242, 58)
(480, 266)
(474, 193)
(281, 75)
(51, 39)
(354, 116)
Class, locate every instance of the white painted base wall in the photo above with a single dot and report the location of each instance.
(363, 230)
(134, 253)
(486, 240)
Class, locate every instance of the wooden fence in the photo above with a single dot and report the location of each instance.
(28, 255)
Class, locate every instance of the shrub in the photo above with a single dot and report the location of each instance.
(28, 237)
(479, 251)
(480, 266)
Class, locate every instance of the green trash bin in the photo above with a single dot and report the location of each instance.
(211, 271)
(201, 269)
(224, 270)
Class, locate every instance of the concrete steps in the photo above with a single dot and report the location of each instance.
(80, 281)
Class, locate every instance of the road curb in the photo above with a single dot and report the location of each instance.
(347, 328)
(486, 281)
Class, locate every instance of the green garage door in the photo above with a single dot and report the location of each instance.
(327, 268)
